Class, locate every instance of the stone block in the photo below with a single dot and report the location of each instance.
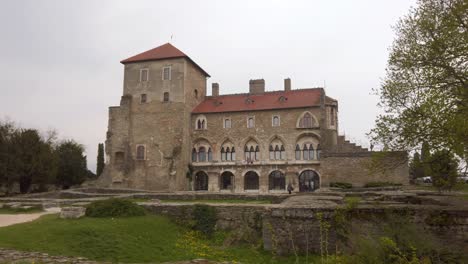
(72, 212)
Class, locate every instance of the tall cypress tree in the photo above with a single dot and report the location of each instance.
(100, 159)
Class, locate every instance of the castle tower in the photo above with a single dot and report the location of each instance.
(148, 138)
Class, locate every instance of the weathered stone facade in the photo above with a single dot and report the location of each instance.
(168, 135)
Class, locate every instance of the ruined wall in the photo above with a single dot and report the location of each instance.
(360, 168)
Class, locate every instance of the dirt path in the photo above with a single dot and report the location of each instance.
(11, 219)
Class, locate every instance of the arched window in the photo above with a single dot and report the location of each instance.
(223, 154)
(252, 151)
(200, 123)
(140, 152)
(202, 154)
(319, 151)
(210, 154)
(227, 181)
(195, 93)
(228, 154)
(298, 152)
(247, 153)
(307, 121)
(233, 154)
(194, 155)
(311, 152)
(305, 152)
(276, 121)
(277, 180)
(272, 152)
(257, 153)
(277, 153)
(251, 181)
(282, 153)
(309, 181)
(201, 181)
(166, 97)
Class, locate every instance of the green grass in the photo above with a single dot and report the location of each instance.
(230, 201)
(9, 210)
(129, 239)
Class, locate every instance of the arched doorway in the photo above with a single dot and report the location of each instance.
(226, 181)
(309, 181)
(251, 181)
(201, 181)
(277, 180)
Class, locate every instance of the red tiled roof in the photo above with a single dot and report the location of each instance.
(166, 51)
(266, 101)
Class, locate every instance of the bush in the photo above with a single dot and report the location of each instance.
(204, 217)
(381, 184)
(341, 185)
(114, 208)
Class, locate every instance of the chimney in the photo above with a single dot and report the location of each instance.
(287, 84)
(214, 89)
(257, 86)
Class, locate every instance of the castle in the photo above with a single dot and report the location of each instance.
(169, 135)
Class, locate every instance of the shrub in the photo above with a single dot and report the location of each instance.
(204, 217)
(341, 185)
(114, 208)
(381, 184)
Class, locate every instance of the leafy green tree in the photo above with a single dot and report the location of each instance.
(416, 167)
(100, 160)
(71, 168)
(444, 169)
(425, 91)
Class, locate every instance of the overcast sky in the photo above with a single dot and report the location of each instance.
(59, 60)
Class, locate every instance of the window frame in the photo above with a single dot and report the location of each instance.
(145, 96)
(141, 74)
(144, 151)
(273, 121)
(253, 121)
(169, 75)
(224, 122)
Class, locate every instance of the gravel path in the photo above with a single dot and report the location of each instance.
(11, 219)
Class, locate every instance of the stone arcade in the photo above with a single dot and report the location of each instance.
(168, 135)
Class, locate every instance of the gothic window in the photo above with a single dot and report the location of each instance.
(144, 75)
(319, 151)
(282, 153)
(257, 153)
(305, 151)
(200, 123)
(311, 152)
(194, 155)
(272, 152)
(276, 121)
(202, 154)
(277, 153)
(252, 151)
(223, 154)
(233, 154)
(166, 73)
(143, 98)
(298, 152)
(166, 97)
(228, 154)
(247, 153)
(307, 121)
(210, 154)
(140, 152)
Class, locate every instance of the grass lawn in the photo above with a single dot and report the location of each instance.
(134, 239)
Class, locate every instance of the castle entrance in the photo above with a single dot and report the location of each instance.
(309, 181)
(201, 181)
(227, 181)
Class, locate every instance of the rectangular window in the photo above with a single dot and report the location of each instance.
(166, 73)
(144, 75)
(332, 116)
(143, 98)
(250, 122)
(227, 123)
